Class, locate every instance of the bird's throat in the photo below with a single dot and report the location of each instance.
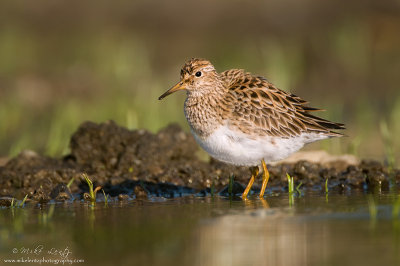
(203, 113)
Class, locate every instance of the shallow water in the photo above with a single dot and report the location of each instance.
(281, 230)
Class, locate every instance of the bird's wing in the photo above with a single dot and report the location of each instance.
(257, 105)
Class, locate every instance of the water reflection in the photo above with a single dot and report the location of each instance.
(212, 231)
(261, 238)
(278, 237)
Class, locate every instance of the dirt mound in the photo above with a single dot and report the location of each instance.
(164, 164)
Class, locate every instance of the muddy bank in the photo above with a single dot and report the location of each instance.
(136, 164)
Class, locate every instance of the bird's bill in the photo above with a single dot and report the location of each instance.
(179, 86)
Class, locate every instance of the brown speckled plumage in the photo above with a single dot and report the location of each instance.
(248, 103)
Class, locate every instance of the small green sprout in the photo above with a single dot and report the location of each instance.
(291, 189)
(388, 137)
(23, 201)
(326, 186)
(92, 193)
(105, 197)
(298, 188)
(290, 183)
(70, 182)
(212, 188)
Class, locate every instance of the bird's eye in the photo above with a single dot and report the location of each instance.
(198, 74)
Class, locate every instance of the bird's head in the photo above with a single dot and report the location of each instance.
(198, 76)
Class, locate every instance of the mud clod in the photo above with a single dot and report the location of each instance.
(165, 164)
(6, 201)
(140, 193)
(123, 197)
(61, 193)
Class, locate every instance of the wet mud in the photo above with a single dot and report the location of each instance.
(138, 164)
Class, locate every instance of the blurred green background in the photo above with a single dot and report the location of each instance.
(64, 62)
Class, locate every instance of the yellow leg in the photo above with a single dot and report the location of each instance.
(254, 172)
(265, 178)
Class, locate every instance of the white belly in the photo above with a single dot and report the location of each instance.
(235, 148)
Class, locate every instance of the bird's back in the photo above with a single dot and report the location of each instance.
(259, 107)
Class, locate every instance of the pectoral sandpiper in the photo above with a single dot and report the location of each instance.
(242, 119)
